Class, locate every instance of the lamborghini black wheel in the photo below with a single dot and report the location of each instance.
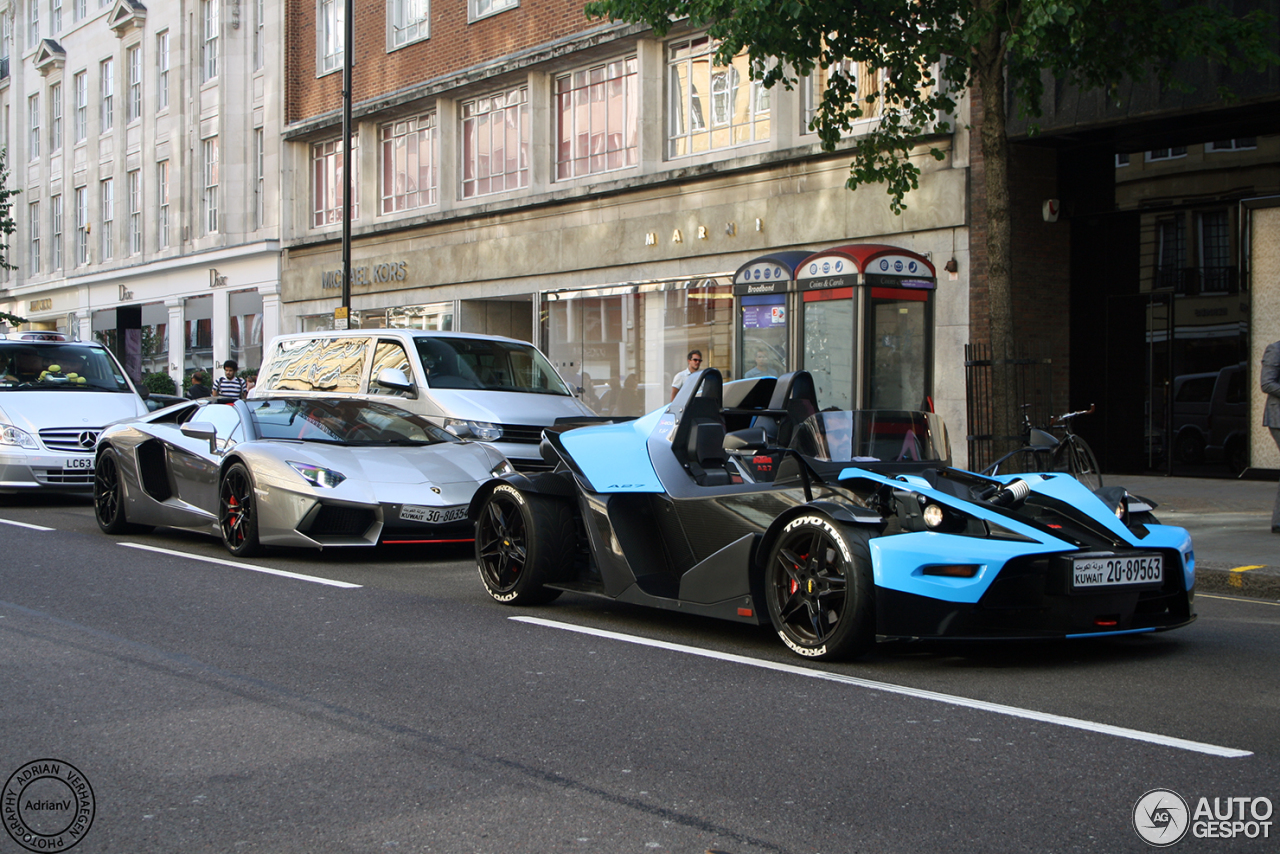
(523, 541)
(108, 496)
(820, 589)
(238, 514)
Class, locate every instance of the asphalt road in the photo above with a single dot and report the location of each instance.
(217, 708)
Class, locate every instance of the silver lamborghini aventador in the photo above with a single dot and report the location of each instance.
(290, 472)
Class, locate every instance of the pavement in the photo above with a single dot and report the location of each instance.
(1230, 525)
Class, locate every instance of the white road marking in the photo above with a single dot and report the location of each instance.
(25, 525)
(247, 566)
(964, 702)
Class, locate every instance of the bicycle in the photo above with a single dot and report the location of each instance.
(1070, 454)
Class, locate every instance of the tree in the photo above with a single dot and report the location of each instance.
(7, 227)
(933, 51)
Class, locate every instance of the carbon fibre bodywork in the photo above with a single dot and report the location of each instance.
(656, 524)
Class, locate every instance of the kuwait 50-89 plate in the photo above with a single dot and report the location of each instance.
(1116, 570)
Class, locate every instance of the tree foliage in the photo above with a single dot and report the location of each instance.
(7, 227)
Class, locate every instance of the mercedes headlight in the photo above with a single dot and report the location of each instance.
(317, 476)
(483, 431)
(13, 436)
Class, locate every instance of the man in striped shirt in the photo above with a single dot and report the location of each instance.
(230, 385)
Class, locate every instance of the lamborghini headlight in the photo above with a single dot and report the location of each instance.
(13, 436)
(317, 476)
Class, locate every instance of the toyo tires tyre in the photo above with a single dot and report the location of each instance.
(108, 496)
(238, 512)
(820, 588)
(523, 541)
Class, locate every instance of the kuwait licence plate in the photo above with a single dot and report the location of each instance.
(79, 463)
(433, 515)
(1088, 573)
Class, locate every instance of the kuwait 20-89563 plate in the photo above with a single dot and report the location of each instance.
(1095, 571)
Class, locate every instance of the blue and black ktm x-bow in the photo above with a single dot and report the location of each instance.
(742, 501)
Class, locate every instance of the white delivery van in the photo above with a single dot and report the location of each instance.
(496, 390)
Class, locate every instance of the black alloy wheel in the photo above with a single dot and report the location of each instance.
(108, 496)
(820, 589)
(522, 541)
(237, 515)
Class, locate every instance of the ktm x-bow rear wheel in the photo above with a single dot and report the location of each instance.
(522, 541)
(820, 588)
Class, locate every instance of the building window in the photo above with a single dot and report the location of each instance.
(33, 132)
(209, 199)
(1157, 154)
(55, 233)
(1122, 159)
(1245, 143)
(484, 8)
(863, 76)
(79, 9)
(55, 118)
(33, 232)
(135, 212)
(597, 116)
(209, 49)
(329, 36)
(162, 204)
(107, 86)
(1171, 253)
(82, 226)
(33, 24)
(55, 6)
(736, 114)
(407, 21)
(260, 177)
(81, 84)
(326, 169)
(162, 71)
(1214, 238)
(134, 55)
(495, 143)
(259, 34)
(408, 163)
(108, 196)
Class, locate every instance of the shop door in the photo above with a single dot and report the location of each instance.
(829, 345)
(899, 353)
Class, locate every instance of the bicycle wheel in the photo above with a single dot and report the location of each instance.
(1075, 457)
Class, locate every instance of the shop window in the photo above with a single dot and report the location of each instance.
(597, 112)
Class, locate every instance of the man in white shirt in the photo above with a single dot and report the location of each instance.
(695, 364)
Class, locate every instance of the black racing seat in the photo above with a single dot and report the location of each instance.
(706, 454)
(796, 396)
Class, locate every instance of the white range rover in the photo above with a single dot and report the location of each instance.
(56, 395)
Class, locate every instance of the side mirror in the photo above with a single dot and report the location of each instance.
(202, 431)
(394, 378)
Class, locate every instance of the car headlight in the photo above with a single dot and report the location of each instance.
(933, 515)
(21, 438)
(502, 468)
(317, 476)
(484, 431)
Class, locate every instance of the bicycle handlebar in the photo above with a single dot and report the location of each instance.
(1064, 418)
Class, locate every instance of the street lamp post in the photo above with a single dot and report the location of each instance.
(348, 51)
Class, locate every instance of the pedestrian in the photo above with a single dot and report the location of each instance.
(229, 385)
(198, 388)
(1271, 412)
(695, 365)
